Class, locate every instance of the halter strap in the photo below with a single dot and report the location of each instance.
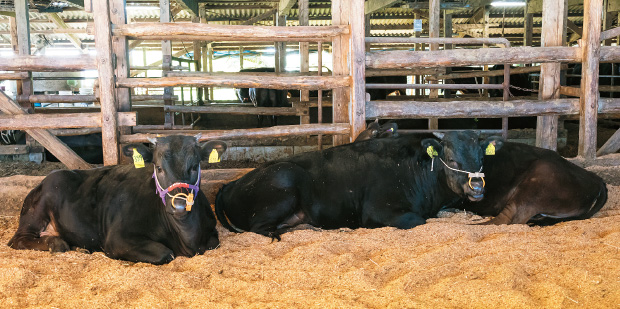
(162, 192)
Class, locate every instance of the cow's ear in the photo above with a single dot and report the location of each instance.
(432, 147)
(213, 151)
(144, 151)
(492, 144)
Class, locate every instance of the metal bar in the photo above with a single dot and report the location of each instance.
(434, 86)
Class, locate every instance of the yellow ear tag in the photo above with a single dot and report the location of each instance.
(214, 157)
(138, 160)
(490, 150)
(431, 151)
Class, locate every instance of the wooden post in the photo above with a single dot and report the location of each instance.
(447, 33)
(304, 54)
(607, 21)
(166, 52)
(433, 32)
(22, 20)
(528, 27)
(589, 78)
(485, 33)
(417, 79)
(240, 58)
(340, 49)
(552, 35)
(103, 43)
(210, 62)
(197, 62)
(280, 46)
(118, 16)
(358, 69)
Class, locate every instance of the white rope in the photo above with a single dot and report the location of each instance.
(470, 174)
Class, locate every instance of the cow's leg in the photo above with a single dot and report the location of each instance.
(271, 201)
(138, 250)
(407, 221)
(36, 229)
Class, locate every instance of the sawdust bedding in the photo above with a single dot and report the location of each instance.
(445, 263)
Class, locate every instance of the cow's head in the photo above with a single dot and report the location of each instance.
(374, 130)
(460, 155)
(176, 160)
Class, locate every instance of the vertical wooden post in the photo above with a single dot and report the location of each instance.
(591, 48)
(304, 54)
(367, 29)
(118, 16)
(15, 46)
(210, 62)
(22, 20)
(528, 25)
(433, 32)
(340, 49)
(417, 79)
(240, 58)
(485, 33)
(197, 62)
(358, 69)
(447, 32)
(281, 46)
(607, 21)
(166, 65)
(103, 41)
(552, 35)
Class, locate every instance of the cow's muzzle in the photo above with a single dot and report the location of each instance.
(475, 186)
(180, 201)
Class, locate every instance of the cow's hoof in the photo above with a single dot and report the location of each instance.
(56, 244)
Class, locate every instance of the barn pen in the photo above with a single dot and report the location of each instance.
(169, 67)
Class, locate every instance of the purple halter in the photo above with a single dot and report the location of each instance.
(162, 193)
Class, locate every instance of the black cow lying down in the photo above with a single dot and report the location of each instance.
(373, 183)
(127, 212)
(530, 184)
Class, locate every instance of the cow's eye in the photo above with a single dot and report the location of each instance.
(158, 169)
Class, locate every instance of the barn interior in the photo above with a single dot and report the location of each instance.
(188, 84)
(79, 79)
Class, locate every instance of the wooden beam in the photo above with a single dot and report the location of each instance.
(56, 121)
(591, 45)
(608, 34)
(234, 81)
(47, 139)
(612, 145)
(14, 76)
(47, 63)
(103, 41)
(14, 149)
(261, 17)
(209, 32)
(372, 6)
(462, 57)
(277, 131)
(237, 110)
(571, 25)
(479, 109)
(285, 6)
(74, 39)
(402, 72)
(552, 35)
(513, 71)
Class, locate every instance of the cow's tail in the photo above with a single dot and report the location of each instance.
(221, 215)
(601, 199)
